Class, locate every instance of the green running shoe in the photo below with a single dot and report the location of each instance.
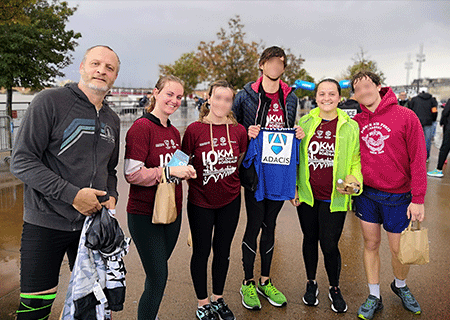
(409, 302)
(268, 291)
(250, 298)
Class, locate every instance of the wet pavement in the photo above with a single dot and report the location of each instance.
(430, 283)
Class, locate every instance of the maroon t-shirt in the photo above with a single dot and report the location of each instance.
(154, 145)
(320, 158)
(217, 182)
(275, 116)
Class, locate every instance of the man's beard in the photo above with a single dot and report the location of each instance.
(102, 89)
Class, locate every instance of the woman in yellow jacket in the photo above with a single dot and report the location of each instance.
(329, 152)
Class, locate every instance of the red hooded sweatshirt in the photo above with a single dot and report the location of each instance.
(393, 151)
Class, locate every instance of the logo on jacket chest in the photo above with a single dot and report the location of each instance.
(277, 147)
(374, 135)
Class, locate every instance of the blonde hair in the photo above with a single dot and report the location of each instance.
(162, 81)
(204, 109)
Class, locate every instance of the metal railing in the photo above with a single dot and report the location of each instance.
(6, 130)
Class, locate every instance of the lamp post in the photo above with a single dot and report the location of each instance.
(420, 59)
(408, 66)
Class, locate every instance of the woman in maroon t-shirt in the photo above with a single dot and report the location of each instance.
(150, 143)
(216, 144)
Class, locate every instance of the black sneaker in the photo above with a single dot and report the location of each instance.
(312, 291)
(205, 313)
(221, 309)
(337, 301)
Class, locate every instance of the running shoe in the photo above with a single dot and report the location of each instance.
(435, 173)
(337, 301)
(268, 291)
(409, 302)
(221, 309)
(250, 298)
(368, 308)
(312, 291)
(205, 313)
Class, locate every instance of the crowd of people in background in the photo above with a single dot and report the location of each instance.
(68, 164)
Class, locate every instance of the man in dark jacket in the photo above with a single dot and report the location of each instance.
(445, 146)
(270, 103)
(350, 106)
(425, 107)
(66, 152)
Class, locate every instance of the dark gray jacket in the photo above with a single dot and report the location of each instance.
(63, 145)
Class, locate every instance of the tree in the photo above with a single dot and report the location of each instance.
(231, 58)
(188, 69)
(33, 53)
(361, 63)
(294, 71)
(13, 10)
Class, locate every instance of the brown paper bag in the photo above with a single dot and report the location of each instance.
(165, 207)
(414, 248)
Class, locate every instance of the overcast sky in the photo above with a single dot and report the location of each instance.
(327, 34)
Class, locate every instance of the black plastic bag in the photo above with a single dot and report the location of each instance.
(104, 233)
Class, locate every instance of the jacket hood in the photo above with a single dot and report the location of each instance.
(286, 89)
(425, 95)
(388, 99)
(77, 91)
(80, 94)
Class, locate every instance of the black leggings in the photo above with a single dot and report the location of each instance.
(154, 243)
(260, 215)
(202, 221)
(320, 225)
(445, 148)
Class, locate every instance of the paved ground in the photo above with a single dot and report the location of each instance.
(430, 284)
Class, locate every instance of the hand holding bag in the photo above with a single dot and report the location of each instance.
(165, 207)
(414, 248)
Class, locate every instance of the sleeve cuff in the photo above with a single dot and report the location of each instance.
(418, 199)
(69, 193)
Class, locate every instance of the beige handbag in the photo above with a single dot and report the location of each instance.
(414, 248)
(165, 207)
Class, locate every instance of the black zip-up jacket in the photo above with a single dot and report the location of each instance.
(445, 116)
(425, 107)
(62, 146)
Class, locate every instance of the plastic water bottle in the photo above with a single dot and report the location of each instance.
(302, 84)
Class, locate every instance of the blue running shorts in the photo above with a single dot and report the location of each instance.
(388, 209)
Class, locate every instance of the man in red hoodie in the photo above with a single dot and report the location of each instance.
(393, 155)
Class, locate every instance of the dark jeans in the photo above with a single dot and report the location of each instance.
(319, 225)
(261, 215)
